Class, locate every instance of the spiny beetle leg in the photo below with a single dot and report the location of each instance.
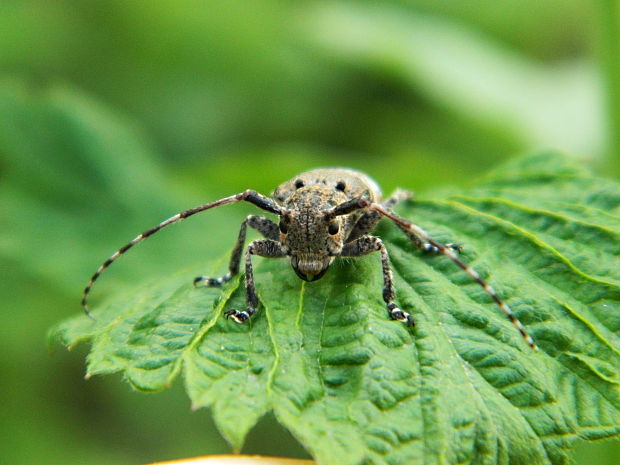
(400, 315)
(240, 316)
(264, 248)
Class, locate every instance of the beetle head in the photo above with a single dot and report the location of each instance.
(310, 236)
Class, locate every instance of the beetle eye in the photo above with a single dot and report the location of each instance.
(283, 227)
(333, 227)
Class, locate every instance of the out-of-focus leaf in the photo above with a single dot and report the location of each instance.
(460, 387)
(547, 29)
(66, 161)
(464, 71)
(237, 460)
(73, 171)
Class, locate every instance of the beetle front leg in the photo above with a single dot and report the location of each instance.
(368, 244)
(263, 248)
(264, 226)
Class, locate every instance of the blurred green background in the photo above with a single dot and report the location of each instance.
(115, 115)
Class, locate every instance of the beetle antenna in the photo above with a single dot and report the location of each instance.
(347, 207)
(449, 252)
(251, 196)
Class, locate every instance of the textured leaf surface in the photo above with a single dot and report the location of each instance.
(355, 387)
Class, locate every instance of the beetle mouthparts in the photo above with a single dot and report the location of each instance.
(310, 276)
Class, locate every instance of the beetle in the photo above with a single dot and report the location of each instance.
(323, 214)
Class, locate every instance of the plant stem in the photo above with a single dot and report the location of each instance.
(609, 50)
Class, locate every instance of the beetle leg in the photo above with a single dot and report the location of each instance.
(368, 244)
(264, 226)
(263, 248)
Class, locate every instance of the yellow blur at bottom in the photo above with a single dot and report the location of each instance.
(237, 460)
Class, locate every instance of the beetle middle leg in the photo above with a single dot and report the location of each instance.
(368, 244)
(264, 226)
(264, 248)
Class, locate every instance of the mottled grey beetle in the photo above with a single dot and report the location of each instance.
(324, 214)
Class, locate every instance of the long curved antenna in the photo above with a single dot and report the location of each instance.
(249, 196)
(448, 252)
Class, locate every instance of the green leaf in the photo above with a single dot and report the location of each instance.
(79, 177)
(356, 387)
(70, 165)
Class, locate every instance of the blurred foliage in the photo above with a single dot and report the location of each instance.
(211, 75)
(216, 97)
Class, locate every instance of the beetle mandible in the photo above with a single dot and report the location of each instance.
(324, 213)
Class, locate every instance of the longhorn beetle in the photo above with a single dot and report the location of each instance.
(324, 214)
